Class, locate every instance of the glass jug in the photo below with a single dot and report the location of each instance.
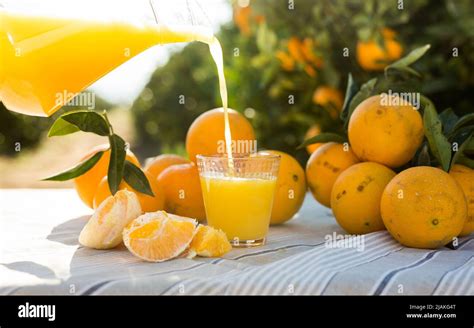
(52, 48)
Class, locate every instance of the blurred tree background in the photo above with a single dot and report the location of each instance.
(286, 64)
(286, 68)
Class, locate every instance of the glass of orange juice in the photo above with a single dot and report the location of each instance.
(238, 195)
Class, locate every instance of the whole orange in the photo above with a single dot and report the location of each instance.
(373, 57)
(206, 134)
(161, 162)
(325, 95)
(182, 187)
(423, 207)
(465, 178)
(384, 133)
(290, 190)
(86, 184)
(323, 168)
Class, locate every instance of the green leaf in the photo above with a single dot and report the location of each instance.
(409, 59)
(136, 178)
(61, 128)
(406, 69)
(365, 92)
(426, 102)
(464, 120)
(423, 158)
(439, 145)
(323, 137)
(351, 90)
(78, 170)
(460, 152)
(470, 145)
(448, 119)
(117, 160)
(466, 161)
(88, 121)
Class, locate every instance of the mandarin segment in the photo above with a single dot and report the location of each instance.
(209, 242)
(104, 228)
(159, 236)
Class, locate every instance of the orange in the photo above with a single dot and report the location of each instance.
(312, 132)
(465, 178)
(161, 162)
(206, 134)
(290, 189)
(384, 133)
(287, 62)
(295, 49)
(87, 183)
(307, 47)
(356, 194)
(372, 57)
(242, 19)
(148, 203)
(159, 236)
(423, 207)
(325, 96)
(209, 242)
(323, 168)
(104, 228)
(182, 189)
(329, 98)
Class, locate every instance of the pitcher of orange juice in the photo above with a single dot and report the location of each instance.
(52, 48)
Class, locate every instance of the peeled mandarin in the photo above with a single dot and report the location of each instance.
(104, 228)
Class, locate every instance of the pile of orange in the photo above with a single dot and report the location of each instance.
(421, 207)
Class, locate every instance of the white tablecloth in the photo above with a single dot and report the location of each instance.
(39, 254)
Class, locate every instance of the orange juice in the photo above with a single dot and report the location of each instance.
(241, 207)
(43, 57)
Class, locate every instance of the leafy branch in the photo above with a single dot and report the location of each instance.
(119, 168)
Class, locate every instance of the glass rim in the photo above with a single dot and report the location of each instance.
(240, 157)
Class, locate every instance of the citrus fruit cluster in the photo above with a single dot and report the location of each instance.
(154, 236)
(368, 186)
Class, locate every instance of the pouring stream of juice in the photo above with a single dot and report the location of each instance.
(217, 56)
(44, 58)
